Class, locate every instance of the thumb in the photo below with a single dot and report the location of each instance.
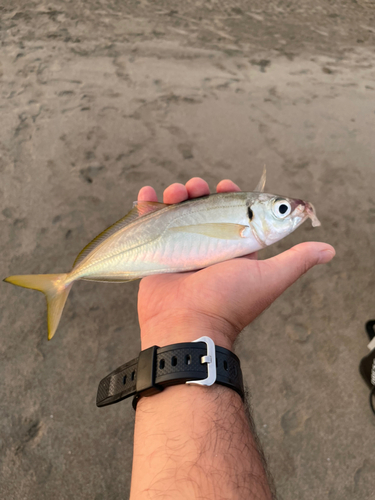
(284, 269)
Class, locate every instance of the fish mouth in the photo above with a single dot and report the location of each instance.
(310, 211)
(304, 210)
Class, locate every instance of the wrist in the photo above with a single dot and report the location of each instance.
(175, 328)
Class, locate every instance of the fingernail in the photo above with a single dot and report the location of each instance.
(326, 255)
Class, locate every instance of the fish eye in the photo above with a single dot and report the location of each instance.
(281, 208)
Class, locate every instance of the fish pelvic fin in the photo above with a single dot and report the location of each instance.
(54, 288)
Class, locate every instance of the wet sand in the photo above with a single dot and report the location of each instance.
(97, 101)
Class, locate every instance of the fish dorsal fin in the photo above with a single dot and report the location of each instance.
(140, 209)
(262, 182)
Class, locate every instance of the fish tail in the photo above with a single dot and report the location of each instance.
(55, 289)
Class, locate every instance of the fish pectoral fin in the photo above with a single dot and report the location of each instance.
(220, 230)
(262, 182)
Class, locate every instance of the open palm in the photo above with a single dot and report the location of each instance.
(221, 300)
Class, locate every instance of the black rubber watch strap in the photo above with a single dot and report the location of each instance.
(160, 367)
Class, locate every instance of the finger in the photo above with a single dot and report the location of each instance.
(227, 186)
(271, 277)
(197, 187)
(251, 286)
(147, 193)
(281, 271)
(175, 193)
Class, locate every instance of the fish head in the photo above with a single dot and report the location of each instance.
(274, 217)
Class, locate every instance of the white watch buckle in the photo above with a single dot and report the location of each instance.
(210, 359)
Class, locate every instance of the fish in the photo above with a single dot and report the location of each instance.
(156, 238)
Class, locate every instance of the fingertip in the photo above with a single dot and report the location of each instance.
(147, 193)
(175, 193)
(197, 187)
(316, 252)
(227, 186)
(326, 254)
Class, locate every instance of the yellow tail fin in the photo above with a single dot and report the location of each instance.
(54, 288)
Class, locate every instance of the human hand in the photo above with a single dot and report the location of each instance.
(218, 301)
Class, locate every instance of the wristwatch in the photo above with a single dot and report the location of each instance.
(199, 362)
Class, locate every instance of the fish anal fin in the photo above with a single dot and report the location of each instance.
(139, 210)
(109, 279)
(220, 230)
(262, 182)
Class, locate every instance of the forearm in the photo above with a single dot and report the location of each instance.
(195, 442)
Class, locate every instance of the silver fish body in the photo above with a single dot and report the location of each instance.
(176, 238)
(155, 238)
(188, 236)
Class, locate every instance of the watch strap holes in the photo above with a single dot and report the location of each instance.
(188, 359)
(161, 364)
(225, 365)
(133, 374)
(124, 379)
(174, 361)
